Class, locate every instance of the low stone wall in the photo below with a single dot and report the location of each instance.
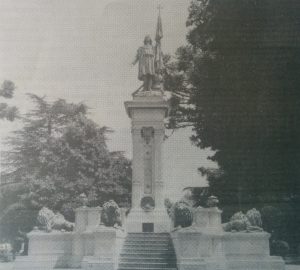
(90, 246)
(250, 251)
(205, 246)
(107, 245)
(195, 249)
(49, 250)
(246, 245)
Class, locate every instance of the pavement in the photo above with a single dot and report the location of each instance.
(292, 267)
(9, 266)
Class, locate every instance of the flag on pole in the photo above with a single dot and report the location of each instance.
(159, 31)
(158, 51)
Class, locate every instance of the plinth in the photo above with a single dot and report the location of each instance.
(147, 111)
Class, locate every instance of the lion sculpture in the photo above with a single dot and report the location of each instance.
(249, 222)
(50, 221)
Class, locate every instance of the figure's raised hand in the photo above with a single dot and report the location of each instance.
(134, 62)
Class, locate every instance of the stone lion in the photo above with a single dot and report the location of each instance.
(49, 221)
(240, 222)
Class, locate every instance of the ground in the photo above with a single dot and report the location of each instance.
(9, 266)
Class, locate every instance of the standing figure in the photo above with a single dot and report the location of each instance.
(145, 56)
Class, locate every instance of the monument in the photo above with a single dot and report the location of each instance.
(147, 111)
(147, 239)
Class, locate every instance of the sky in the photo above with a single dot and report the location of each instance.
(81, 50)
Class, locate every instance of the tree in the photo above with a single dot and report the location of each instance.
(6, 91)
(59, 154)
(236, 83)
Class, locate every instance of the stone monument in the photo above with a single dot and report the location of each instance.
(147, 111)
(147, 238)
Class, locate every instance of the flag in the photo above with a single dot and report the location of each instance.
(158, 51)
(159, 31)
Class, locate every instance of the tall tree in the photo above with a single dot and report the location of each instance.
(59, 154)
(236, 83)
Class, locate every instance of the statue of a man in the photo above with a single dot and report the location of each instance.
(145, 56)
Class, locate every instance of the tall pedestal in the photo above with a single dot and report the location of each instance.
(147, 111)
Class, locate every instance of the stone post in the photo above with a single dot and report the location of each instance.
(81, 218)
(104, 243)
(123, 216)
(208, 219)
(78, 246)
(107, 245)
(93, 217)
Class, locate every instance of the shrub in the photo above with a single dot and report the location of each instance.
(279, 248)
(272, 219)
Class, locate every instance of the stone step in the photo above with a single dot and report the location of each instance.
(147, 268)
(144, 248)
(147, 240)
(138, 259)
(148, 235)
(147, 265)
(145, 244)
(156, 243)
(147, 251)
(145, 254)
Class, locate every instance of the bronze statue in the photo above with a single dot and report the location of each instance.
(145, 57)
(150, 60)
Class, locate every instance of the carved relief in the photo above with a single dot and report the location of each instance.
(147, 134)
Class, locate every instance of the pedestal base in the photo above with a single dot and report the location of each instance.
(92, 263)
(137, 217)
(200, 249)
(41, 262)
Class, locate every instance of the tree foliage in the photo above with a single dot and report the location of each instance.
(6, 91)
(59, 154)
(237, 84)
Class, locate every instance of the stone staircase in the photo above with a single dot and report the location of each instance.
(147, 251)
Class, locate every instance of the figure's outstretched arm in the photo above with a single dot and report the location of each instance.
(137, 57)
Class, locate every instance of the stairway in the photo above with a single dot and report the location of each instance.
(147, 251)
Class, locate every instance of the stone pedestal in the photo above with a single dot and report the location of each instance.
(250, 251)
(147, 111)
(159, 218)
(208, 219)
(197, 251)
(93, 218)
(201, 245)
(46, 251)
(106, 248)
(205, 246)
(87, 219)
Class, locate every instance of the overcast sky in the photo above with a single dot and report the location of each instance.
(81, 50)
